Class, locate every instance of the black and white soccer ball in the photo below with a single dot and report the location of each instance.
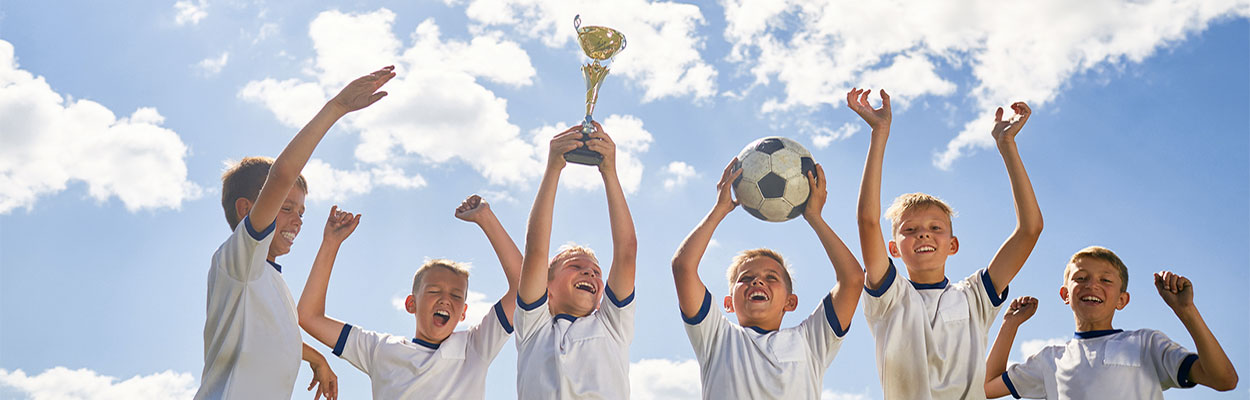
(773, 185)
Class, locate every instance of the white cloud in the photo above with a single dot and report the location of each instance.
(817, 49)
(822, 136)
(631, 141)
(832, 395)
(662, 52)
(212, 66)
(325, 183)
(50, 140)
(478, 304)
(664, 379)
(1032, 346)
(677, 174)
(60, 383)
(190, 12)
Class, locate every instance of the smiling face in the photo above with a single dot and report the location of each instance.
(760, 293)
(575, 285)
(289, 221)
(923, 239)
(1094, 289)
(438, 303)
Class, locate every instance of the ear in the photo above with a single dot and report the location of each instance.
(464, 314)
(242, 206)
(729, 304)
(792, 302)
(894, 250)
(410, 304)
(954, 245)
(1063, 294)
(1123, 301)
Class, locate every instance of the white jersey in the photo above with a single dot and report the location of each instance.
(252, 343)
(566, 357)
(1111, 364)
(402, 368)
(737, 362)
(931, 338)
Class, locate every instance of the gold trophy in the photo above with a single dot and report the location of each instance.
(600, 44)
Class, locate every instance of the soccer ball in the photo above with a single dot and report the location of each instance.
(773, 185)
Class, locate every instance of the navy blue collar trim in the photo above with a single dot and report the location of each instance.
(758, 329)
(1094, 334)
(275, 266)
(428, 345)
(568, 317)
(923, 286)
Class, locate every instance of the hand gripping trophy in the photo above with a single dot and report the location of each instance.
(600, 44)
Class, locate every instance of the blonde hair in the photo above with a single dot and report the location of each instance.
(460, 269)
(566, 251)
(1099, 253)
(746, 255)
(244, 179)
(914, 201)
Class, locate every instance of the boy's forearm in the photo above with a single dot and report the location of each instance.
(311, 355)
(287, 167)
(849, 274)
(312, 301)
(996, 362)
(624, 239)
(506, 251)
(1015, 251)
(868, 211)
(533, 282)
(1213, 367)
(690, 288)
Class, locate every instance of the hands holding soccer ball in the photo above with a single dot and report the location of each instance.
(725, 201)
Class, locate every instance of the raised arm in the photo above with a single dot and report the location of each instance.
(1021, 309)
(358, 94)
(312, 302)
(1213, 369)
(1016, 249)
(478, 211)
(690, 288)
(876, 259)
(533, 283)
(624, 240)
(850, 276)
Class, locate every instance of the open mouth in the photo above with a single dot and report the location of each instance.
(757, 295)
(586, 286)
(289, 236)
(1091, 300)
(441, 317)
(926, 249)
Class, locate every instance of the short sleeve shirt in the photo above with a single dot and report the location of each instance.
(1111, 364)
(567, 357)
(737, 362)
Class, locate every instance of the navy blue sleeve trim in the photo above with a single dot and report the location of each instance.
(832, 316)
(503, 319)
(703, 309)
(338, 346)
(885, 285)
(995, 298)
(1182, 376)
(258, 236)
(531, 306)
(1010, 387)
(620, 303)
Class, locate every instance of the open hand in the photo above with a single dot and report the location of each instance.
(1007, 129)
(563, 143)
(472, 209)
(724, 188)
(363, 91)
(601, 143)
(325, 382)
(857, 100)
(1021, 309)
(1175, 290)
(340, 224)
(817, 193)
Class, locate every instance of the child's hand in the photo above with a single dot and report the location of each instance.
(563, 143)
(1007, 130)
(1021, 309)
(601, 143)
(340, 224)
(363, 91)
(1175, 290)
(817, 193)
(857, 100)
(472, 209)
(326, 382)
(724, 189)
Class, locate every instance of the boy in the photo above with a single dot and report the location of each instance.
(437, 363)
(930, 333)
(1105, 363)
(568, 345)
(252, 344)
(754, 359)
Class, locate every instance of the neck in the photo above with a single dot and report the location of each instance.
(768, 325)
(558, 307)
(928, 276)
(426, 338)
(1093, 325)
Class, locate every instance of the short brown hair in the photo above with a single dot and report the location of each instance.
(244, 179)
(459, 268)
(747, 255)
(1099, 253)
(913, 201)
(569, 250)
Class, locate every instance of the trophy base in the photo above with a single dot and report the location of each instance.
(583, 156)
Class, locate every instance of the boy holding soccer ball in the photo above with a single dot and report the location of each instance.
(755, 358)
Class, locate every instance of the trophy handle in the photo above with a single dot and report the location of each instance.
(623, 43)
(577, 21)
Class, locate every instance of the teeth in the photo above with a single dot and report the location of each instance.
(288, 235)
(442, 314)
(1091, 298)
(926, 249)
(585, 286)
(758, 296)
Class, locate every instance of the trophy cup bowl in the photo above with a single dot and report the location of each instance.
(600, 44)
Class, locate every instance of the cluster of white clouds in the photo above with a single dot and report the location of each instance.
(1020, 51)
(190, 12)
(60, 383)
(678, 173)
(212, 66)
(51, 140)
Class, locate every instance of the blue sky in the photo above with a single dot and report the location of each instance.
(117, 120)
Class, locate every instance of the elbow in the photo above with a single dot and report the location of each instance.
(854, 281)
(1032, 226)
(1227, 383)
